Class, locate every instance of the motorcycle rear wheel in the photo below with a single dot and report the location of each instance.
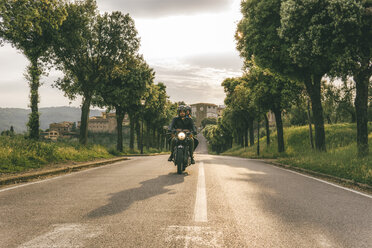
(179, 161)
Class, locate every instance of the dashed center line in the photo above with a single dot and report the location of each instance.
(200, 210)
(64, 235)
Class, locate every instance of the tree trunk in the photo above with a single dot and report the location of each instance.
(258, 136)
(313, 88)
(361, 107)
(119, 123)
(155, 139)
(245, 137)
(162, 139)
(34, 76)
(138, 134)
(329, 121)
(353, 116)
(83, 139)
(148, 136)
(251, 132)
(279, 129)
(131, 124)
(310, 126)
(158, 142)
(267, 130)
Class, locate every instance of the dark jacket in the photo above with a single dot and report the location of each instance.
(186, 123)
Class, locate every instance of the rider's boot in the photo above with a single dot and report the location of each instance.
(170, 157)
(192, 160)
(191, 147)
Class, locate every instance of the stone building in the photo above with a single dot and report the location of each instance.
(106, 123)
(200, 111)
(62, 128)
(220, 109)
(51, 135)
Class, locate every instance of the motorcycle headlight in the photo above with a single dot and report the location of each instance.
(181, 136)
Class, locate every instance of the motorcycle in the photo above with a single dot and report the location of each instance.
(181, 153)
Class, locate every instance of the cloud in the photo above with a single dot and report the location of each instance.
(192, 83)
(158, 8)
(230, 61)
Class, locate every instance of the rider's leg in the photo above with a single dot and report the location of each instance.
(196, 143)
(191, 149)
(172, 145)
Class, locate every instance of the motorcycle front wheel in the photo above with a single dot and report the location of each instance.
(179, 161)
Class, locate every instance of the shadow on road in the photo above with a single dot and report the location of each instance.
(300, 202)
(120, 201)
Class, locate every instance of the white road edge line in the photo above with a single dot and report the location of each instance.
(320, 180)
(200, 210)
(57, 177)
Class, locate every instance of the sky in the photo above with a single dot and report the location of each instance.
(189, 43)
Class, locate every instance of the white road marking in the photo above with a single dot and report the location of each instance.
(320, 180)
(193, 236)
(200, 210)
(57, 177)
(64, 235)
(323, 241)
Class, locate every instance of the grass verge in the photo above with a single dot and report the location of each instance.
(18, 154)
(340, 160)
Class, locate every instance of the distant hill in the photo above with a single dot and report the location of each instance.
(18, 118)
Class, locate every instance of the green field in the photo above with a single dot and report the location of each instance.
(340, 160)
(18, 154)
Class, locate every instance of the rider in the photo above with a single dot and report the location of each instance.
(182, 122)
(188, 115)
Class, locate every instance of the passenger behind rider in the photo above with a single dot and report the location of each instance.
(188, 114)
(181, 122)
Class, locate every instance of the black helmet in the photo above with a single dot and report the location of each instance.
(189, 109)
(181, 108)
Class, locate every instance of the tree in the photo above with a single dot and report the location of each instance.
(258, 39)
(84, 47)
(28, 26)
(272, 92)
(338, 102)
(240, 111)
(351, 23)
(121, 69)
(155, 113)
(316, 32)
(124, 87)
(11, 130)
(208, 121)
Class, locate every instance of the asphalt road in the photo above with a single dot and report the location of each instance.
(219, 202)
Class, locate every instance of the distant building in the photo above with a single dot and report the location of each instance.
(52, 135)
(200, 111)
(220, 109)
(62, 128)
(106, 123)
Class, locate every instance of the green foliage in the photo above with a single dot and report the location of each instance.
(270, 91)
(29, 25)
(19, 154)
(208, 121)
(338, 102)
(332, 37)
(258, 39)
(341, 159)
(94, 51)
(219, 136)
